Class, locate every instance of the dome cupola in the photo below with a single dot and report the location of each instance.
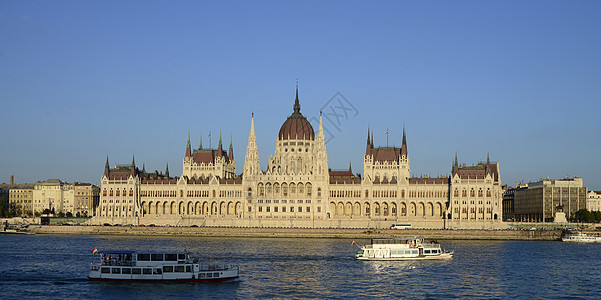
(296, 127)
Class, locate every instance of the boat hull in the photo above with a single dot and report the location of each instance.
(222, 279)
(445, 256)
(582, 240)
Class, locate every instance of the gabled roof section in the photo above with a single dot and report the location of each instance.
(208, 156)
(477, 172)
(429, 180)
(344, 177)
(388, 154)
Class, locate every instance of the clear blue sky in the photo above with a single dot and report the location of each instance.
(80, 80)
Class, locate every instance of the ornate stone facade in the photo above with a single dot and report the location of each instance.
(298, 189)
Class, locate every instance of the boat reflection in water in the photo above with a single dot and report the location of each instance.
(402, 249)
(162, 267)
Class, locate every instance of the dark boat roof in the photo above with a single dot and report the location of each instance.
(116, 252)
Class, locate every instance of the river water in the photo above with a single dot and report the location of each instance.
(56, 266)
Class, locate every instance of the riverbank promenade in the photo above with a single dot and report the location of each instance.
(438, 234)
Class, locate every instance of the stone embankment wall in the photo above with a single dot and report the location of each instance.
(438, 234)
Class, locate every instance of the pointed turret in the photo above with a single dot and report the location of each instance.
(372, 140)
(230, 152)
(404, 146)
(167, 170)
(219, 148)
(133, 166)
(143, 168)
(296, 106)
(251, 160)
(488, 169)
(188, 149)
(107, 168)
(368, 147)
(350, 167)
(200, 146)
(455, 165)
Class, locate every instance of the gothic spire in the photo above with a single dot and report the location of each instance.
(230, 152)
(188, 149)
(167, 170)
(200, 146)
(107, 168)
(404, 146)
(488, 169)
(219, 148)
(368, 147)
(296, 106)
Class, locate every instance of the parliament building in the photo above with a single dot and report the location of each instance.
(298, 189)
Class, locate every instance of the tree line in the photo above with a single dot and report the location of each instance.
(586, 216)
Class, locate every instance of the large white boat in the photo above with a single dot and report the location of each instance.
(177, 267)
(580, 237)
(402, 249)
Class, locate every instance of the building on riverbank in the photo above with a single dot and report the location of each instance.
(539, 201)
(593, 201)
(298, 189)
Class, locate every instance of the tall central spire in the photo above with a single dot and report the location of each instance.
(296, 102)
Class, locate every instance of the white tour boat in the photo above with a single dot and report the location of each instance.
(580, 237)
(402, 249)
(177, 267)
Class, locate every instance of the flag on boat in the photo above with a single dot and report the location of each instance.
(352, 243)
(95, 250)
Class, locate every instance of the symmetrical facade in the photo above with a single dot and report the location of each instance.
(298, 189)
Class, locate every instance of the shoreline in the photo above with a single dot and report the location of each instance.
(437, 234)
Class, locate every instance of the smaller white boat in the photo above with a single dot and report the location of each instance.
(402, 249)
(580, 237)
(157, 267)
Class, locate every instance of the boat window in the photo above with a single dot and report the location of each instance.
(158, 271)
(209, 275)
(167, 268)
(171, 257)
(147, 271)
(136, 271)
(215, 275)
(144, 257)
(407, 251)
(201, 275)
(157, 257)
(105, 270)
(181, 256)
(188, 268)
(179, 269)
(126, 270)
(116, 271)
(414, 251)
(427, 251)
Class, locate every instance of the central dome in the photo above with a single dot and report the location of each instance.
(296, 127)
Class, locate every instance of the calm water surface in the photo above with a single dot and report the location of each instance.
(55, 267)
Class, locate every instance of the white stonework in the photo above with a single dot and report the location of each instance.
(299, 190)
(593, 201)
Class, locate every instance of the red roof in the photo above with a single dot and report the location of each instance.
(386, 154)
(296, 127)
